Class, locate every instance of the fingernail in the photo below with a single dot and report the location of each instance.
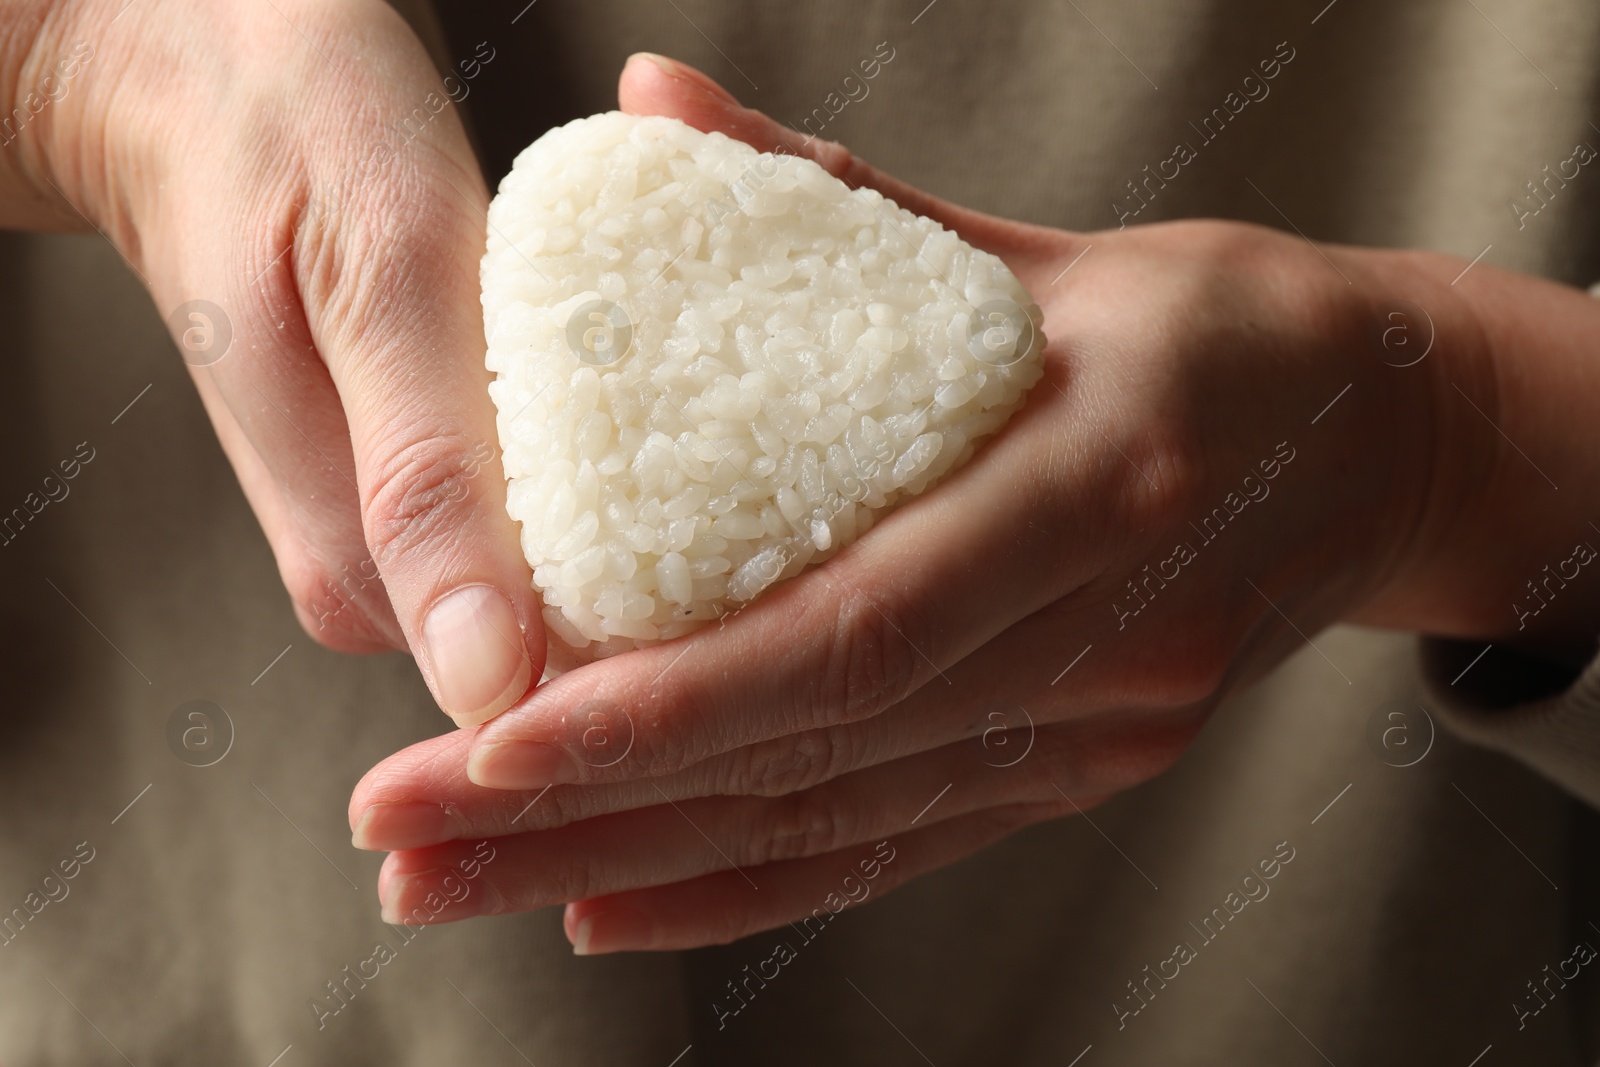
(478, 657)
(437, 894)
(520, 765)
(668, 65)
(672, 68)
(613, 929)
(386, 827)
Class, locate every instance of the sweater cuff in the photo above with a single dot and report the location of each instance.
(1544, 714)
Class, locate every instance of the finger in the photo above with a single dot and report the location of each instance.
(390, 286)
(655, 85)
(538, 870)
(715, 909)
(839, 643)
(1069, 767)
(1001, 696)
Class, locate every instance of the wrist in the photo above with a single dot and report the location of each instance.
(1428, 348)
(1512, 475)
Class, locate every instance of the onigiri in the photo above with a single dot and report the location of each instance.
(717, 367)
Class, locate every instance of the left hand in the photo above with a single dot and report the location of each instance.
(1162, 523)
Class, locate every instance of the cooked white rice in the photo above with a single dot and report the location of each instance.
(716, 367)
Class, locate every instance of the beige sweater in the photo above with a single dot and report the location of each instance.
(1329, 876)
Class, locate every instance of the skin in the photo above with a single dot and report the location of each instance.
(978, 648)
(342, 251)
(1183, 358)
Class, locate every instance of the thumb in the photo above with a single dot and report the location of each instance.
(403, 342)
(655, 85)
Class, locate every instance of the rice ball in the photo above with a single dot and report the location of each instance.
(716, 367)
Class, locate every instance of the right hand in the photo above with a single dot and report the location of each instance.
(300, 166)
(1185, 367)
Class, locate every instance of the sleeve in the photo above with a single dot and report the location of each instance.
(1544, 714)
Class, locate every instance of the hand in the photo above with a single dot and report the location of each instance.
(308, 179)
(1223, 456)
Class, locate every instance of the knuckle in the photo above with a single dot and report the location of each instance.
(670, 738)
(558, 807)
(789, 765)
(795, 826)
(1116, 755)
(364, 260)
(344, 610)
(832, 157)
(356, 253)
(1181, 669)
(573, 878)
(878, 648)
(418, 493)
(1162, 488)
